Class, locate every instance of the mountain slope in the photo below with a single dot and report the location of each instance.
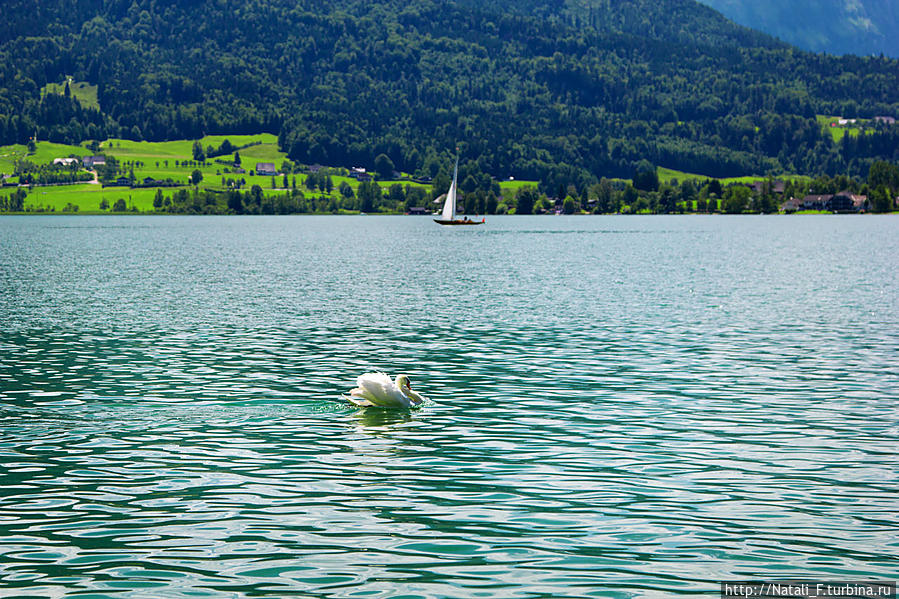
(560, 91)
(858, 27)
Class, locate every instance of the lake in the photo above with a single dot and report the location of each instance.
(618, 406)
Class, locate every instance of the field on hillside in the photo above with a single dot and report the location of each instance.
(666, 175)
(837, 131)
(88, 197)
(44, 153)
(163, 161)
(85, 93)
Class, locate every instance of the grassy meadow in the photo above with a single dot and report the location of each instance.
(509, 188)
(837, 131)
(666, 175)
(85, 93)
(44, 153)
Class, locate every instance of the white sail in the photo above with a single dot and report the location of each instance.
(449, 206)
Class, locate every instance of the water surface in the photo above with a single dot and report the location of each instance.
(620, 407)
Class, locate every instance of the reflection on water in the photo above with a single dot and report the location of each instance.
(620, 406)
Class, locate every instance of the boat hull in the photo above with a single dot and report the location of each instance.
(440, 221)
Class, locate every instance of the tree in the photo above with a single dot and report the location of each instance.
(104, 204)
(255, 197)
(884, 173)
(569, 206)
(157, 200)
(345, 189)
(384, 166)
(196, 177)
(491, 204)
(736, 199)
(603, 193)
(369, 194)
(396, 194)
(16, 200)
(199, 154)
(235, 204)
(236, 158)
(882, 199)
(646, 177)
(668, 200)
(525, 200)
(119, 205)
(765, 201)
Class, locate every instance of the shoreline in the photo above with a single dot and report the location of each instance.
(622, 214)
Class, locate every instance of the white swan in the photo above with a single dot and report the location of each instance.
(375, 389)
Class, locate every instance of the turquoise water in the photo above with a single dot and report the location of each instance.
(619, 407)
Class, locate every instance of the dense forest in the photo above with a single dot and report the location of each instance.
(565, 92)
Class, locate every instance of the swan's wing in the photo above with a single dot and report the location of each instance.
(373, 380)
(416, 398)
(357, 400)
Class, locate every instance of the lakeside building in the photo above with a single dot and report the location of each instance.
(843, 202)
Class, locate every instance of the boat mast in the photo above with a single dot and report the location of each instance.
(455, 183)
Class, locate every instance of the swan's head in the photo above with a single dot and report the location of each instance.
(403, 382)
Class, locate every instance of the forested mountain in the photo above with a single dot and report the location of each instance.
(564, 91)
(835, 26)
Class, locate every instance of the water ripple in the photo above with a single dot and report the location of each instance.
(619, 407)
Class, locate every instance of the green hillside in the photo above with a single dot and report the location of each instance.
(564, 92)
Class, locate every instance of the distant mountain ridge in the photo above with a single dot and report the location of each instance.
(861, 27)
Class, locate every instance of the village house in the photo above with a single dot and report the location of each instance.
(119, 182)
(843, 202)
(815, 202)
(847, 202)
(759, 186)
(91, 162)
(791, 205)
(861, 203)
(885, 119)
(65, 161)
(266, 168)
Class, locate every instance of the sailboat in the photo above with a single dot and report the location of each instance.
(448, 216)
